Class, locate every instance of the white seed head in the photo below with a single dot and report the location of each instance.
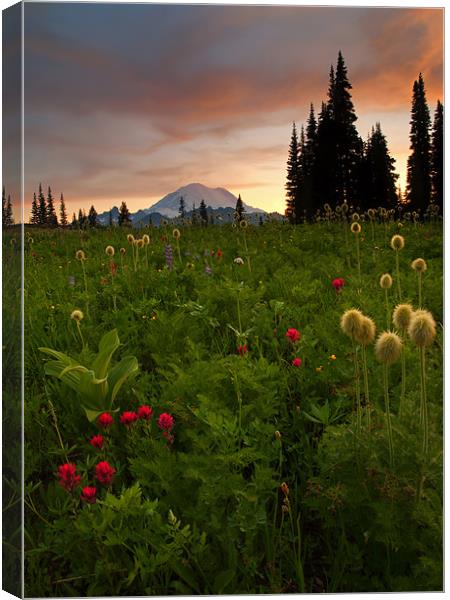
(419, 265)
(77, 315)
(422, 328)
(388, 347)
(397, 242)
(386, 281)
(402, 316)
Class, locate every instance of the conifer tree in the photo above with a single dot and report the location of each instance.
(62, 212)
(292, 177)
(203, 213)
(80, 220)
(419, 169)
(325, 162)
(194, 215)
(110, 218)
(34, 220)
(74, 221)
(239, 210)
(9, 219)
(124, 215)
(42, 207)
(380, 177)
(3, 205)
(437, 157)
(182, 209)
(346, 140)
(92, 217)
(308, 162)
(52, 219)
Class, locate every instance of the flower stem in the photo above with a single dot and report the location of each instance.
(424, 408)
(366, 386)
(357, 389)
(388, 315)
(420, 289)
(388, 415)
(397, 267)
(403, 387)
(85, 288)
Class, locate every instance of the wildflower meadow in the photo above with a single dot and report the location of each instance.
(234, 409)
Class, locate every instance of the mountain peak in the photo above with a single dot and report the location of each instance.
(193, 194)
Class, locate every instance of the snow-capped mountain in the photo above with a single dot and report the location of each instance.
(192, 195)
(168, 207)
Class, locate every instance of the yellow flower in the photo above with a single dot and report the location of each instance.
(333, 357)
(319, 369)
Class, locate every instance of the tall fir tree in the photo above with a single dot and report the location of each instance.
(325, 161)
(42, 207)
(9, 219)
(194, 216)
(52, 219)
(437, 158)
(62, 212)
(348, 145)
(34, 219)
(124, 215)
(92, 217)
(239, 210)
(80, 220)
(3, 205)
(203, 213)
(308, 161)
(182, 208)
(419, 167)
(379, 177)
(74, 223)
(293, 176)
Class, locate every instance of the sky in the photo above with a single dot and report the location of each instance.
(130, 102)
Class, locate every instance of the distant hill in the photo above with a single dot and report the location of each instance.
(216, 199)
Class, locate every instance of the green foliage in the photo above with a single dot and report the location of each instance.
(202, 512)
(97, 386)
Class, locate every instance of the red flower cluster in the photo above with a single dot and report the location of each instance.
(113, 268)
(242, 349)
(165, 421)
(97, 441)
(89, 494)
(293, 335)
(145, 412)
(67, 477)
(338, 284)
(104, 472)
(219, 253)
(105, 420)
(297, 362)
(128, 417)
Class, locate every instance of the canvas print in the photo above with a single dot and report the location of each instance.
(222, 299)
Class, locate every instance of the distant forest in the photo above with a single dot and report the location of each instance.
(329, 163)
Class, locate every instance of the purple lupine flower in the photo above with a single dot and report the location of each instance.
(169, 257)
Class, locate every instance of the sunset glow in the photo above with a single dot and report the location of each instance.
(130, 102)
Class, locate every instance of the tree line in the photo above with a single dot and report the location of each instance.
(329, 163)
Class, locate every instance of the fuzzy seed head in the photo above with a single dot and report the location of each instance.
(355, 228)
(146, 239)
(109, 250)
(397, 242)
(77, 315)
(386, 281)
(422, 328)
(351, 322)
(176, 234)
(372, 213)
(419, 265)
(344, 208)
(80, 255)
(388, 347)
(140, 243)
(402, 316)
(122, 251)
(243, 224)
(355, 217)
(366, 332)
(130, 238)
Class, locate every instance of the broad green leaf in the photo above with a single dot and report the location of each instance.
(108, 345)
(128, 367)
